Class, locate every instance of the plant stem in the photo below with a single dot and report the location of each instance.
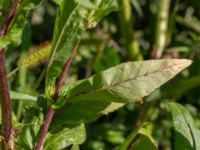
(161, 29)
(9, 19)
(126, 23)
(64, 73)
(51, 111)
(6, 128)
(45, 128)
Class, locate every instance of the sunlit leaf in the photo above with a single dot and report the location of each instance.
(88, 99)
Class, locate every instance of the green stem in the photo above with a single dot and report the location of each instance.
(22, 83)
(161, 29)
(126, 23)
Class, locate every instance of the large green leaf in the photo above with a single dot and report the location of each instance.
(187, 136)
(88, 99)
(64, 138)
(72, 20)
(15, 30)
(139, 139)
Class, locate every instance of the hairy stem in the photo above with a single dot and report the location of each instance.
(51, 112)
(126, 23)
(6, 128)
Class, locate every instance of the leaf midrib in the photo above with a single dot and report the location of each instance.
(127, 80)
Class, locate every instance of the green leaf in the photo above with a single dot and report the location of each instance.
(187, 136)
(4, 8)
(129, 140)
(72, 20)
(15, 30)
(88, 99)
(27, 138)
(64, 138)
(104, 8)
(139, 139)
(22, 96)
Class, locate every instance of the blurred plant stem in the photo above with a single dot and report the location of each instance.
(161, 32)
(126, 23)
(26, 38)
(22, 83)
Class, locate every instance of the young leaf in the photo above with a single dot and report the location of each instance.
(88, 99)
(72, 20)
(15, 30)
(65, 138)
(139, 139)
(187, 136)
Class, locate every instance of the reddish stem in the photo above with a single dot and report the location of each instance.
(45, 128)
(9, 19)
(51, 112)
(64, 73)
(6, 129)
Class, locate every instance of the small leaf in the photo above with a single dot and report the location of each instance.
(187, 136)
(139, 139)
(64, 138)
(15, 30)
(104, 8)
(88, 99)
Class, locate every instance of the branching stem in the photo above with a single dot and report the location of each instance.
(51, 111)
